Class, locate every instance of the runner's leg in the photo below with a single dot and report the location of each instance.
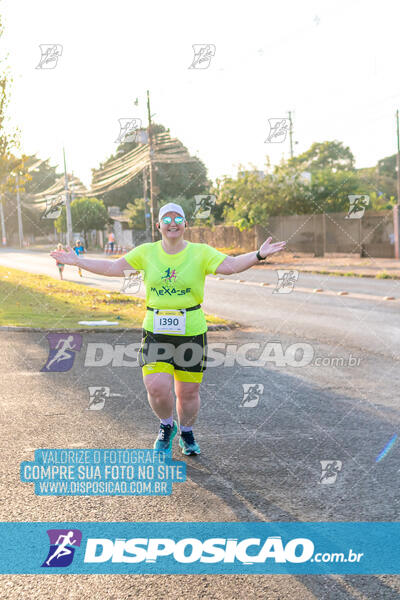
(161, 400)
(159, 393)
(187, 406)
(187, 402)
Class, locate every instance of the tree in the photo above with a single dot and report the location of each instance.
(244, 201)
(86, 214)
(135, 212)
(8, 140)
(172, 180)
(42, 177)
(382, 185)
(324, 155)
(249, 199)
(18, 171)
(387, 166)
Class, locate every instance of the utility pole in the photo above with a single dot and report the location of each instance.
(67, 204)
(396, 208)
(151, 170)
(20, 229)
(291, 133)
(147, 214)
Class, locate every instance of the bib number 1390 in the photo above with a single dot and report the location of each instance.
(169, 321)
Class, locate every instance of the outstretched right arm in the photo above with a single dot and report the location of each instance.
(100, 266)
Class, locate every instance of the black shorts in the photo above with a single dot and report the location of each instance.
(183, 352)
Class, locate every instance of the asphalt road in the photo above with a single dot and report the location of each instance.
(258, 463)
(366, 324)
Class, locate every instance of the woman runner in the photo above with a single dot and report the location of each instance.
(60, 265)
(173, 349)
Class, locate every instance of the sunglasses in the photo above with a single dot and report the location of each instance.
(168, 220)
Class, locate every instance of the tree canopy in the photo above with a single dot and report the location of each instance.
(86, 214)
(318, 180)
(183, 180)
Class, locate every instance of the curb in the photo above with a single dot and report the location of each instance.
(327, 271)
(314, 290)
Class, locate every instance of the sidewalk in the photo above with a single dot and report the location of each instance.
(338, 264)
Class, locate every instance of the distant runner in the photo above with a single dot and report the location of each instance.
(79, 249)
(60, 265)
(173, 350)
(111, 241)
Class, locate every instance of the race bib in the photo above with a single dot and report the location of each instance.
(169, 321)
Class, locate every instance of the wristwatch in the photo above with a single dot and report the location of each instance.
(260, 257)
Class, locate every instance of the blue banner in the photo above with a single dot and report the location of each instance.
(207, 548)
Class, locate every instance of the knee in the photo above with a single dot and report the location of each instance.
(157, 388)
(189, 393)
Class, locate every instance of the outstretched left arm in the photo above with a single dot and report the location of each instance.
(236, 264)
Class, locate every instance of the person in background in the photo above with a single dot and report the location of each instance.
(79, 249)
(111, 241)
(59, 264)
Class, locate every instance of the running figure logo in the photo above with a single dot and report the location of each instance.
(330, 470)
(128, 130)
(203, 54)
(98, 396)
(170, 276)
(204, 204)
(54, 206)
(50, 54)
(278, 129)
(286, 281)
(251, 394)
(358, 204)
(61, 551)
(62, 351)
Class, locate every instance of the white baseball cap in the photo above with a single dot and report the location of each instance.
(171, 207)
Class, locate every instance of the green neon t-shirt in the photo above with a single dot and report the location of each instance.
(175, 280)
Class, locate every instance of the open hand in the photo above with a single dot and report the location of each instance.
(68, 257)
(267, 248)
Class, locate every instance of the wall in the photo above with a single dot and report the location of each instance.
(316, 234)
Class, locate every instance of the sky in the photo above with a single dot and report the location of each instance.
(332, 63)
